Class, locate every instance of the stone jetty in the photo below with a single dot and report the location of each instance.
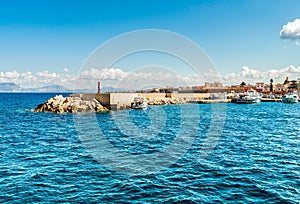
(103, 102)
(122, 100)
(60, 104)
(163, 101)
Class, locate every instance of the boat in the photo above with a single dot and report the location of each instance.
(251, 96)
(235, 98)
(139, 103)
(290, 97)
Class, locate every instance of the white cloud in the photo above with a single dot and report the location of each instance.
(118, 78)
(126, 80)
(105, 74)
(249, 75)
(34, 80)
(9, 75)
(137, 80)
(66, 69)
(291, 30)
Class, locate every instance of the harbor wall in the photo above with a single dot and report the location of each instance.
(186, 97)
(117, 101)
(121, 100)
(103, 98)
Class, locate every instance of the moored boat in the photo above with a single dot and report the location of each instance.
(251, 96)
(139, 103)
(290, 97)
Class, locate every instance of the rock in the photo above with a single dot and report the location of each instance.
(163, 101)
(60, 104)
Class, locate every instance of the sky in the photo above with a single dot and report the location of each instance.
(48, 42)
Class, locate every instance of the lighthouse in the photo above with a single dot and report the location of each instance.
(98, 87)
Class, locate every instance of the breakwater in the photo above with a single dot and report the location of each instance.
(112, 101)
(119, 101)
(89, 102)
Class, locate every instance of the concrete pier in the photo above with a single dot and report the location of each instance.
(209, 101)
(271, 100)
(121, 100)
(118, 101)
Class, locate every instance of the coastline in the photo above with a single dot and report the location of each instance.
(104, 102)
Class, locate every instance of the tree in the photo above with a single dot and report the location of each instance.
(271, 85)
(286, 80)
(243, 84)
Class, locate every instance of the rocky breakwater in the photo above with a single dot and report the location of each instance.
(163, 101)
(60, 104)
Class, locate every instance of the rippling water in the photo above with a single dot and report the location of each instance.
(46, 157)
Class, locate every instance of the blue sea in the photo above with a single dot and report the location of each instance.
(192, 153)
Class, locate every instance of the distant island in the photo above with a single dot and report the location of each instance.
(9, 87)
(12, 87)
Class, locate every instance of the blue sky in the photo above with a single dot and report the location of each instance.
(52, 35)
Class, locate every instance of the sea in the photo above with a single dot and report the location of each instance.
(189, 153)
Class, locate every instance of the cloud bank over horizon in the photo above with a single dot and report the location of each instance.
(117, 78)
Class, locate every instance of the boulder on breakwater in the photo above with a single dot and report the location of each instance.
(163, 101)
(60, 104)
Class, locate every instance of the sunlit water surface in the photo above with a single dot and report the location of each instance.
(256, 159)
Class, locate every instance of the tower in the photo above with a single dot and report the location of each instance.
(98, 87)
